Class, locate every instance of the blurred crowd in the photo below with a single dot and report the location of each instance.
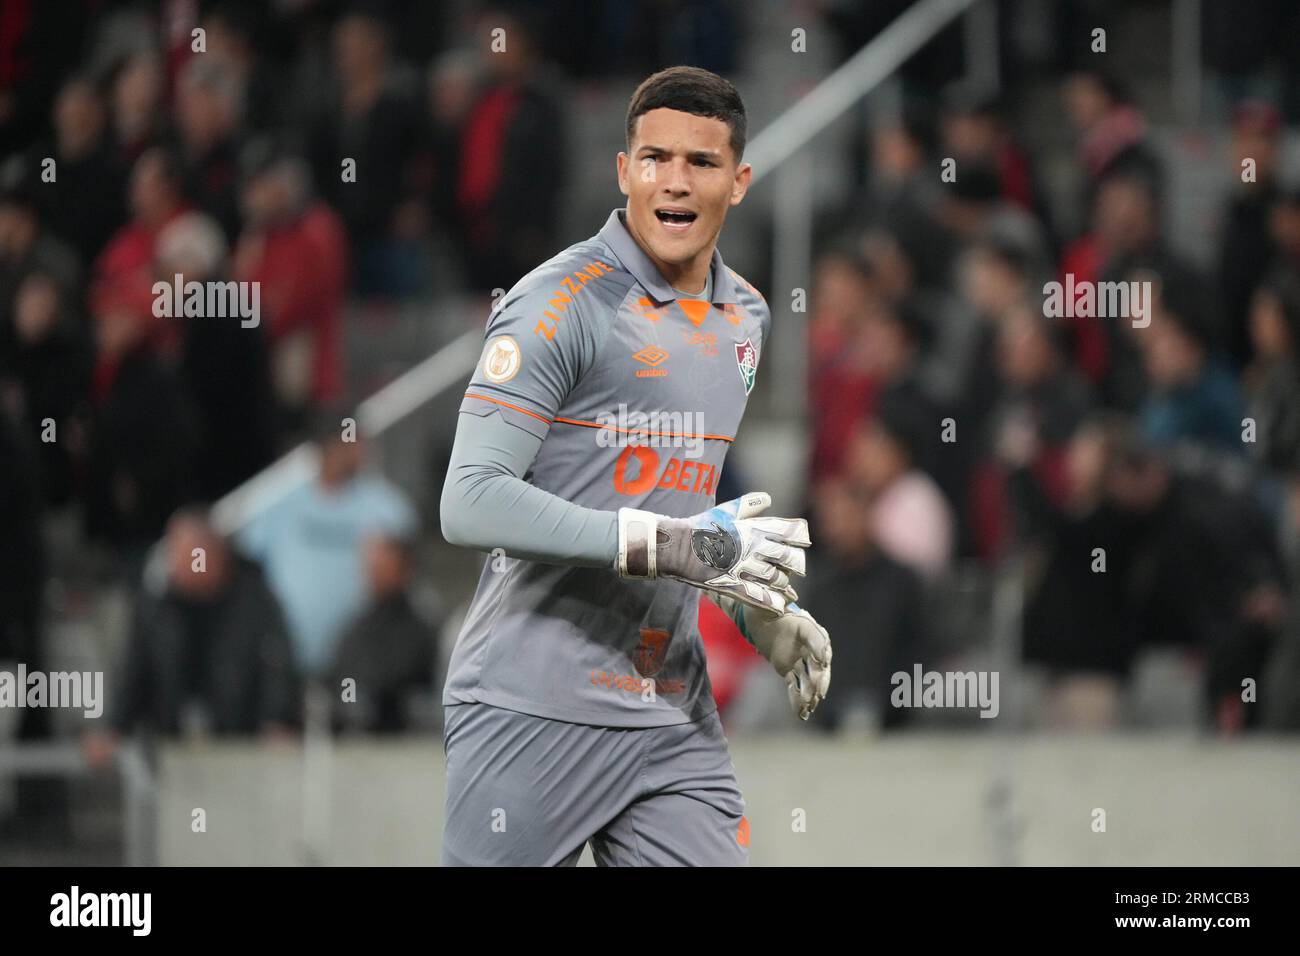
(329, 154)
(1140, 471)
(346, 155)
(295, 150)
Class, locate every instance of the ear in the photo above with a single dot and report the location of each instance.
(623, 163)
(744, 172)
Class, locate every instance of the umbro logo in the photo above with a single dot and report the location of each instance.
(653, 356)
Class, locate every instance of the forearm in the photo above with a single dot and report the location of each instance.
(486, 503)
(735, 610)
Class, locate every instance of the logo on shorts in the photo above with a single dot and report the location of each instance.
(742, 832)
(501, 359)
(747, 362)
(648, 658)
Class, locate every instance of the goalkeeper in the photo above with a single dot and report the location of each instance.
(578, 706)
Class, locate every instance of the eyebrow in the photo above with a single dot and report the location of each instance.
(693, 154)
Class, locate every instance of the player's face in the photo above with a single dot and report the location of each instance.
(680, 179)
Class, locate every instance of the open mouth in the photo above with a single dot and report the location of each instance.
(679, 219)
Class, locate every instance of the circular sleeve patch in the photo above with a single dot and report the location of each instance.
(501, 359)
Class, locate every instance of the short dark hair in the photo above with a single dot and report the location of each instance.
(690, 90)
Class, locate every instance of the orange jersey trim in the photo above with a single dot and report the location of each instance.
(576, 421)
(497, 401)
(642, 431)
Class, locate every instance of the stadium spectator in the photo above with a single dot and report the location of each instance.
(993, 279)
(22, 588)
(948, 364)
(39, 42)
(1043, 398)
(233, 33)
(26, 247)
(216, 351)
(1207, 574)
(124, 271)
(910, 519)
(508, 202)
(50, 369)
(903, 196)
(295, 248)
(207, 124)
(1246, 248)
(454, 81)
(1281, 684)
(897, 338)
(1193, 396)
(144, 437)
(972, 210)
(372, 120)
(207, 653)
(390, 650)
(309, 543)
(22, 571)
(975, 133)
(1041, 401)
(840, 376)
(1242, 48)
(1079, 620)
(1273, 378)
(1125, 245)
(861, 591)
(895, 341)
(140, 122)
(1112, 131)
(1284, 227)
(862, 348)
(86, 207)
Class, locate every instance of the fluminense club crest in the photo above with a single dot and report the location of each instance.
(648, 658)
(747, 362)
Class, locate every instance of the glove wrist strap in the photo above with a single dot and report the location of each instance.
(636, 544)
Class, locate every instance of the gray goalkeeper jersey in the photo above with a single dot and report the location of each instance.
(637, 393)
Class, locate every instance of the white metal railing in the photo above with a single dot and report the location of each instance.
(65, 760)
(858, 76)
(774, 147)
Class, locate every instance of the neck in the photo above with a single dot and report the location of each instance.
(692, 278)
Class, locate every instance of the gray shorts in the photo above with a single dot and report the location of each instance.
(528, 791)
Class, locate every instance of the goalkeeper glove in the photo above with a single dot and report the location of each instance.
(726, 550)
(798, 647)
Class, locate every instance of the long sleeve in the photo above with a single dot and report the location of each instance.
(487, 504)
